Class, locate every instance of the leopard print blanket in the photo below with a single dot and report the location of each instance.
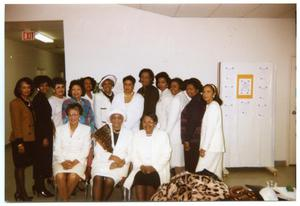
(191, 187)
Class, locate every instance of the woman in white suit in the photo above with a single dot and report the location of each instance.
(179, 101)
(103, 100)
(70, 150)
(212, 146)
(150, 154)
(111, 156)
(165, 98)
(131, 103)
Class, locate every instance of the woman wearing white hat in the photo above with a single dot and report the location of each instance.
(111, 155)
(103, 100)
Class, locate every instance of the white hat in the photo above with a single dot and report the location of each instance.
(116, 111)
(109, 76)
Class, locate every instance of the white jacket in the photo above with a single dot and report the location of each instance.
(121, 149)
(162, 108)
(133, 110)
(101, 160)
(67, 147)
(212, 138)
(161, 152)
(102, 107)
(175, 108)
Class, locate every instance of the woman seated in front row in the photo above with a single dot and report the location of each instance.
(111, 151)
(70, 150)
(150, 154)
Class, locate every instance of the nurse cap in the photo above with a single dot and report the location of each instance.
(116, 111)
(113, 78)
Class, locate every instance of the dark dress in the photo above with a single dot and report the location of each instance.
(151, 97)
(191, 121)
(43, 129)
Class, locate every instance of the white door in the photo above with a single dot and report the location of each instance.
(292, 136)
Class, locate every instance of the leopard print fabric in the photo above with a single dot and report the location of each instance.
(191, 187)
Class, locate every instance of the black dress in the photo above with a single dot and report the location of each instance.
(43, 129)
(191, 121)
(151, 97)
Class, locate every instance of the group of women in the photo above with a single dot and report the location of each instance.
(135, 139)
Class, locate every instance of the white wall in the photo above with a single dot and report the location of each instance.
(22, 60)
(102, 39)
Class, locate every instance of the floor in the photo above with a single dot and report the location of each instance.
(238, 176)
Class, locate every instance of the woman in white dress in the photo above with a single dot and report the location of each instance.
(165, 98)
(150, 154)
(111, 156)
(70, 150)
(212, 145)
(179, 101)
(89, 84)
(131, 103)
(103, 100)
(56, 101)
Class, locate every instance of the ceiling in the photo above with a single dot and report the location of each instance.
(221, 10)
(13, 31)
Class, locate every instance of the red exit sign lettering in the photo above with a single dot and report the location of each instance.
(28, 35)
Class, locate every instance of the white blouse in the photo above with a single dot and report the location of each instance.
(162, 108)
(56, 105)
(71, 147)
(91, 100)
(133, 110)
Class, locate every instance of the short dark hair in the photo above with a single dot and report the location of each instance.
(17, 90)
(152, 116)
(78, 83)
(93, 81)
(150, 72)
(130, 78)
(58, 80)
(75, 106)
(162, 75)
(38, 80)
(215, 90)
(178, 81)
(195, 83)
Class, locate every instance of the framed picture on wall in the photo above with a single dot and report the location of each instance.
(245, 86)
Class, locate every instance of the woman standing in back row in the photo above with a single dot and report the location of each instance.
(212, 146)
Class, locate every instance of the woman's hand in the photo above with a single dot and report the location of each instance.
(186, 146)
(116, 159)
(113, 165)
(67, 164)
(143, 169)
(21, 148)
(45, 142)
(74, 162)
(202, 152)
(147, 169)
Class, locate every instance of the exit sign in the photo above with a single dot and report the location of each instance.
(28, 35)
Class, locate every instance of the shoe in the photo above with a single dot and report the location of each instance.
(42, 192)
(24, 198)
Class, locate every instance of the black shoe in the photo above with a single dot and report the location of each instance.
(24, 198)
(41, 192)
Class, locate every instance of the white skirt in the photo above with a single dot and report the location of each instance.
(104, 171)
(78, 169)
(177, 155)
(213, 162)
